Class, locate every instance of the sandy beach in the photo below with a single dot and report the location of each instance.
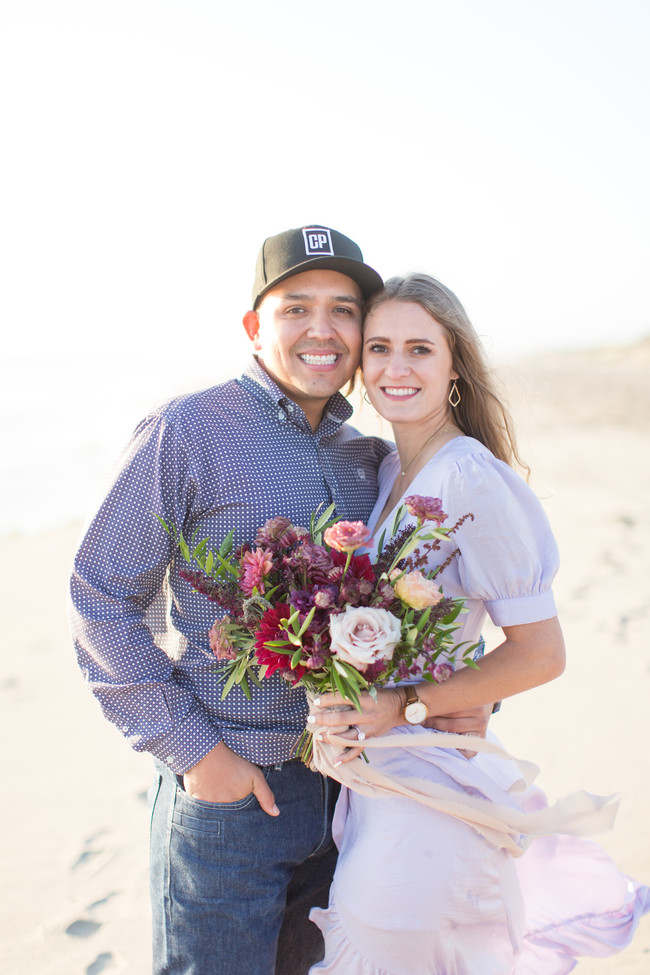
(74, 838)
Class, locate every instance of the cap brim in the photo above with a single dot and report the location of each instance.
(367, 279)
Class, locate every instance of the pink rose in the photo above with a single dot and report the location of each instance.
(347, 536)
(417, 591)
(364, 636)
(425, 509)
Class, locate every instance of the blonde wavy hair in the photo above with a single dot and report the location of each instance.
(481, 413)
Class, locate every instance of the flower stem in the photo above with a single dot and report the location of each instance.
(347, 564)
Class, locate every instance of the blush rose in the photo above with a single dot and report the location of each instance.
(364, 636)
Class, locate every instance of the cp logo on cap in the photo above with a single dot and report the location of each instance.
(318, 241)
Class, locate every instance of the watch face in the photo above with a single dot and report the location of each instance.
(416, 712)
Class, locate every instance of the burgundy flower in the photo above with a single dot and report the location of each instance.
(323, 597)
(310, 563)
(360, 567)
(384, 595)
(270, 629)
(441, 672)
(278, 533)
(425, 509)
(374, 671)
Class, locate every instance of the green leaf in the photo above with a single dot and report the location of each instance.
(454, 613)
(226, 546)
(232, 679)
(283, 646)
(228, 566)
(347, 688)
(170, 531)
(295, 660)
(399, 514)
(321, 523)
(255, 678)
(307, 622)
(185, 551)
(291, 621)
(422, 622)
(338, 683)
(200, 549)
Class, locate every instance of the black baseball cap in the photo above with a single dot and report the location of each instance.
(306, 248)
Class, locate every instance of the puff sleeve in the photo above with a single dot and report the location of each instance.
(508, 555)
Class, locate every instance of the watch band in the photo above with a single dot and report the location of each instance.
(411, 695)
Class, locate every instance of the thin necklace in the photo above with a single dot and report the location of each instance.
(425, 444)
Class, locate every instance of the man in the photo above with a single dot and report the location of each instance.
(241, 847)
(240, 844)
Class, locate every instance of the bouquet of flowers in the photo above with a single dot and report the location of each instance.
(304, 604)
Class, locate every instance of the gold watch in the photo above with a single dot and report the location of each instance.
(415, 711)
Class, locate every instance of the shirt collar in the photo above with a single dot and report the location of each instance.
(337, 410)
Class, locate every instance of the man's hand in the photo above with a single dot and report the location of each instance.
(224, 776)
(473, 721)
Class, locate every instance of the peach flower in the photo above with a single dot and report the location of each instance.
(417, 591)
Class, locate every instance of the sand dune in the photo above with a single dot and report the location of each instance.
(74, 837)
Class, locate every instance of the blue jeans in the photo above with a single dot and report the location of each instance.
(231, 887)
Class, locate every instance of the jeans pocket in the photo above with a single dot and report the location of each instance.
(202, 816)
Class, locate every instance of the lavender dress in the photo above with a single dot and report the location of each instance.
(419, 892)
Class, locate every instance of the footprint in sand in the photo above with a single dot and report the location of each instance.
(93, 852)
(102, 902)
(82, 928)
(101, 963)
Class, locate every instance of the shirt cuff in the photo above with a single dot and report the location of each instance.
(522, 609)
(189, 743)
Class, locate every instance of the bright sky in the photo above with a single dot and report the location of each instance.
(149, 146)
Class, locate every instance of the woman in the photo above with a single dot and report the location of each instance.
(419, 891)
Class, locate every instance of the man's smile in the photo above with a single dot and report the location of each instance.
(318, 358)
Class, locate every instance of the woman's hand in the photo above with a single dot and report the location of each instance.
(471, 721)
(376, 717)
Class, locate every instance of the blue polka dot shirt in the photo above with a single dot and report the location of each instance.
(229, 457)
